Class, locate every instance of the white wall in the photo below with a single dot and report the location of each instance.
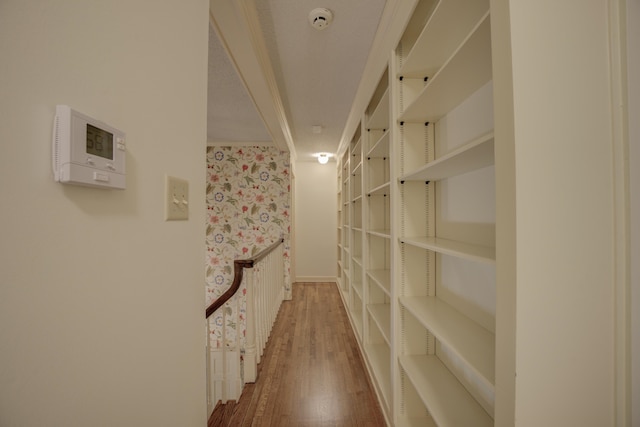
(315, 222)
(101, 301)
(558, 291)
(565, 294)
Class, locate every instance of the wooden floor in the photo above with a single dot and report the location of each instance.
(311, 374)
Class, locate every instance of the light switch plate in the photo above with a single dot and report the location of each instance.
(176, 199)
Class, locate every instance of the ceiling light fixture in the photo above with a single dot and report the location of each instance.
(323, 158)
(320, 18)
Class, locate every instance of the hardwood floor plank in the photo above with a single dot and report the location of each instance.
(311, 373)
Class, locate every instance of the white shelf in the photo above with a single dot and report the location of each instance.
(380, 233)
(426, 56)
(356, 169)
(476, 154)
(358, 260)
(448, 402)
(382, 278)
(356, 319)
(380, 117)
(462, 250)
(468, 340)
(380, 189)
(468, 69)
(357, 287)
(379, 356)
(381, 315)
(356, 149)
(381, 147)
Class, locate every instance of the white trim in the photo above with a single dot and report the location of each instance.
(292, 231)
(633, 111)
(316, 279)
(240, 144)
(620, 167)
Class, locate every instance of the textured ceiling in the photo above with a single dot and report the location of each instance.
(317, 72)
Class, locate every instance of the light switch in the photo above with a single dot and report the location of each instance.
(176, 199)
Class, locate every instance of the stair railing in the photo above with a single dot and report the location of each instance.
(227, 369)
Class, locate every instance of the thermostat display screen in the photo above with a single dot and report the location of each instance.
(99, 142)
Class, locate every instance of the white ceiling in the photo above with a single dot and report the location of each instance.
(272, 76)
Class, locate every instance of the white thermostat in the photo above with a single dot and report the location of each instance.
(86, 151)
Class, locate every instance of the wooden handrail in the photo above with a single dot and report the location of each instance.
(238, 267)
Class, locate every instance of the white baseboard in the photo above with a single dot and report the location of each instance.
(315, 279)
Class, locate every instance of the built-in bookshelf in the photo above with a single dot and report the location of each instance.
(377, 238)
(445, 280)
(350, 170)
(344, 257)
(339, 247)
(356, 291)
(421, 200)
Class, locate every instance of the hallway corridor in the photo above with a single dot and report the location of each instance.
(311, 373)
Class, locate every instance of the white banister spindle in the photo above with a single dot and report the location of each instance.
(250, 360)
(266, 296)
(223, 348)
(263, 278)
(211, 396)
(259, 312)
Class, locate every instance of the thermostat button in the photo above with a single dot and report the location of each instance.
(97, 176)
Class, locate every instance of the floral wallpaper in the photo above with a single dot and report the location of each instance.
(248, 209)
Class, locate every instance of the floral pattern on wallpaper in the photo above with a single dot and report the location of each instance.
(248, 208)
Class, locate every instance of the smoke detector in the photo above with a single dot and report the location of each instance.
(320, 18)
